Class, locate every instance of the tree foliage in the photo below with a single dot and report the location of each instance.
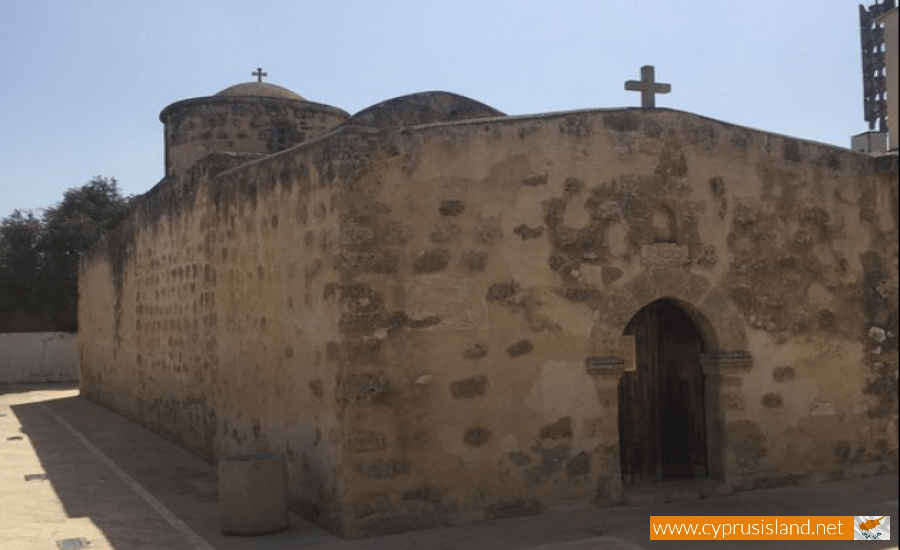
(39, 255)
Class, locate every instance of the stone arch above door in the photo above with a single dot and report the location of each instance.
(722, 329)
(721, 325)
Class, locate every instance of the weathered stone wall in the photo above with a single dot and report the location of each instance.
(494, 264)
(197, 127)
(429, 321)
(207, 321)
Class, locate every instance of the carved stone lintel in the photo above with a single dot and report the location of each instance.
(726, 362)
(609, 365)
(665, 255)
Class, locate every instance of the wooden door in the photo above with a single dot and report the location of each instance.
(662, 418)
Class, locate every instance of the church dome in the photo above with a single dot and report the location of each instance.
(423, 108)
(250, 119)
(259, 89)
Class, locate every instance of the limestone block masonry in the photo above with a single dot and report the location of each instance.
(433, 310)
(252, 118)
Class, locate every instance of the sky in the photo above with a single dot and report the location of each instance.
(82, 82)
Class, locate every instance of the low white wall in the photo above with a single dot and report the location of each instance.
(27, 357)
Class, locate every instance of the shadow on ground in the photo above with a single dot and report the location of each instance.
(98, 464)
(138, 489)
(71, 438)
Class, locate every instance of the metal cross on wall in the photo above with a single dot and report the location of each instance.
(648, 87)
(259, 74)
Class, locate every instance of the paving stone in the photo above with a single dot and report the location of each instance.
(73, 544)
(111, 516)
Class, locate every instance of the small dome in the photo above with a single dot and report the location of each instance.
(259, 89)
(423, 108)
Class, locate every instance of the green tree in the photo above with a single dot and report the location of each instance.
(21, 263)
(39, 256)
(71, 227)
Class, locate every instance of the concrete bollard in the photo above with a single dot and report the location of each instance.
(253, 494)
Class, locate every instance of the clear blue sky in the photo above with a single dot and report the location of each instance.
(82, 82)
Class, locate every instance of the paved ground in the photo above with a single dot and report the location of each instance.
(118, 486)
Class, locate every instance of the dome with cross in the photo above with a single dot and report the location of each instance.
(259, 89)
(250, 119)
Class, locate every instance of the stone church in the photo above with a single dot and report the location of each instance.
(441, 314)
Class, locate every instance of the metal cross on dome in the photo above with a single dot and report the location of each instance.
(259, 74)
(648, 87)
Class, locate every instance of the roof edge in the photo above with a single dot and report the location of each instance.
(250, 100)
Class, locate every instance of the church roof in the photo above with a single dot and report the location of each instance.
(423, 108)
(259, 89)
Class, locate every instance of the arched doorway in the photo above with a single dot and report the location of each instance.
(662, 412)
